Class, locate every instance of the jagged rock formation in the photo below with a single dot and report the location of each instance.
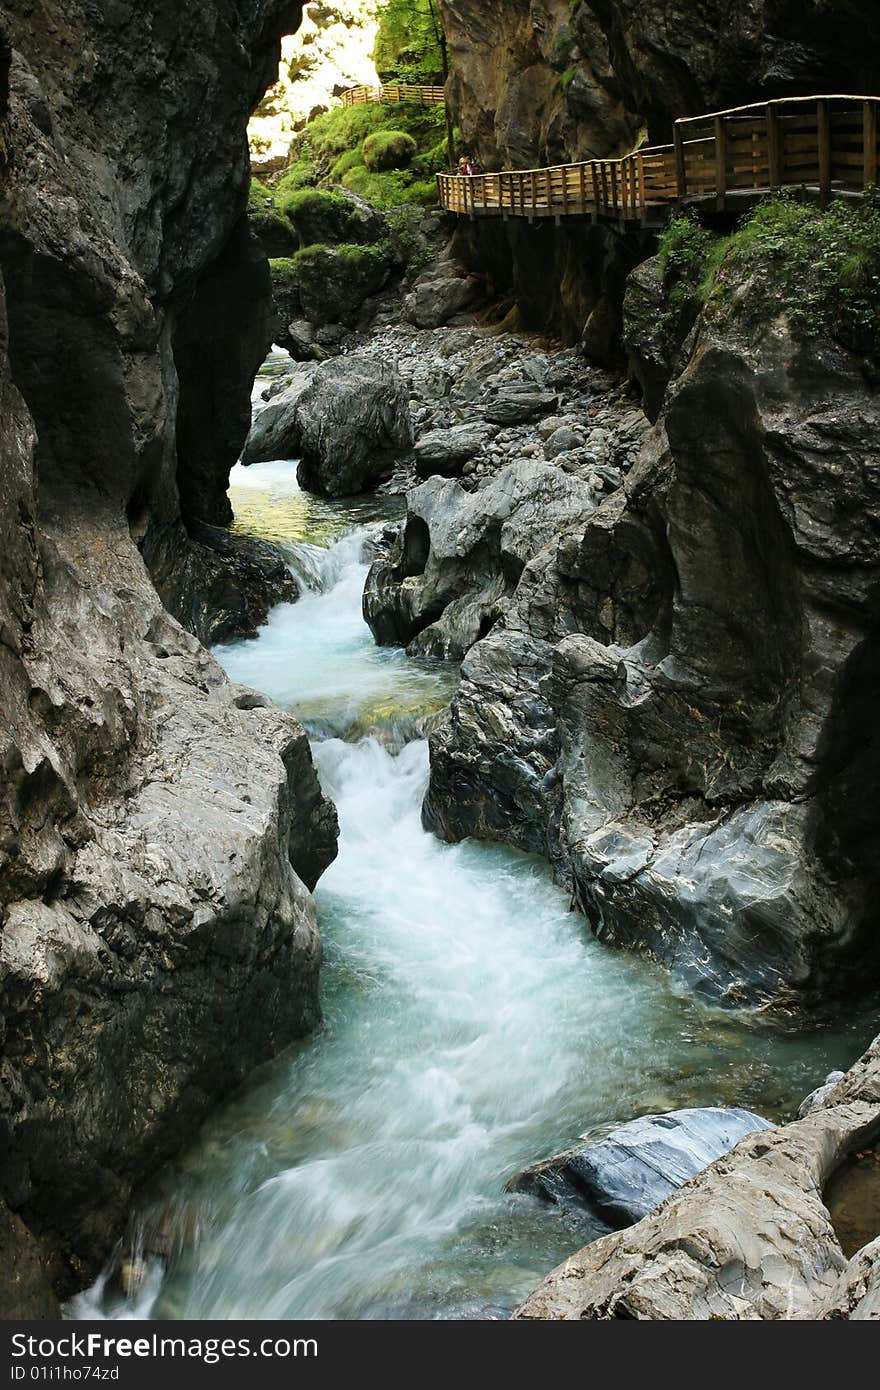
(749, 1238)
(347, 421)
(672, 704)
(158, 826)
(622, 1172)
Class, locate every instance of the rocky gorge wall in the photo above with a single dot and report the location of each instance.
(159, 827)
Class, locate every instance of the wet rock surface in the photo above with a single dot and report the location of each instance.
(666, 699)
(749, 1238)
(627, 1171)
(347, 421)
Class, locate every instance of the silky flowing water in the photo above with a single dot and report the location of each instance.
(471, 1022)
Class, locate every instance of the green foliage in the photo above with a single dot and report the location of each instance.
(392, 189)
(350, 160)
(409, 42)
(389, 149)
(298, 175)
(435, 160)
(821, 267)
(259, 197)
(685, 246)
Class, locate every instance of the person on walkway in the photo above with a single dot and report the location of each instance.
(464, 165)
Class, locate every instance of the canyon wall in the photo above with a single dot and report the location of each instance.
(159, 827)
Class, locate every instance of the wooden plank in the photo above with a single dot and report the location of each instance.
(869, 144)
(720, 161)
(824, 137)
(680, 170)
(774, 146)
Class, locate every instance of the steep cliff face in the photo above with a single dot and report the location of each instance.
(677, 58)
(529, 88)
(158, 826)
(541, 81)
(674, 705)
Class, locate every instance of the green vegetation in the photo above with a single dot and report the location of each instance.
(386, 154)
(821, 267)
(329, 283)
(410, 44)
(389, 149)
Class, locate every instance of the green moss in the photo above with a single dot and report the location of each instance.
(302, 174)
(389, 149)
(821, 267)
(352, 159)
(259, 197)
(393, 189)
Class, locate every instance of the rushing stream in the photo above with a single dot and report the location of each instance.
(472, 1023)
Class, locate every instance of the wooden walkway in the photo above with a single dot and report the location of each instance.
(825, 146)
(419, 96)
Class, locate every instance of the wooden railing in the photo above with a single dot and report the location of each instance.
(825, 145)
(420, 96)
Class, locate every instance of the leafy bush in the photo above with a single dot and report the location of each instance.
(685, 247)
(389, 149)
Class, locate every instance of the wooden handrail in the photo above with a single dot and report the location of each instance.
(391, 92)
(824, 144)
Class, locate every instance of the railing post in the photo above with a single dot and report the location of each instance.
(823, 126)
(583, 183)
(774, 147)
(642, 194)
(869, 127)
(720, 163)
(595, 173)
(534, 190)
(680, 168)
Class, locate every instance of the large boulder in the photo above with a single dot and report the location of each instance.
(328, 284)
(447, 451)
(347, 421)
(440, 294)
(460, 554)
(629, 1169)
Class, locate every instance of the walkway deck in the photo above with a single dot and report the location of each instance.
(418, 96)
(825, 146)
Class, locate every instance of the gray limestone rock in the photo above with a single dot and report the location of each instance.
(626, 1171)
(347, 421)
(748, 1238)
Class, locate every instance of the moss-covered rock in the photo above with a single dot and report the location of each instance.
(389, 149)
(328, 284)
(321, 215)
